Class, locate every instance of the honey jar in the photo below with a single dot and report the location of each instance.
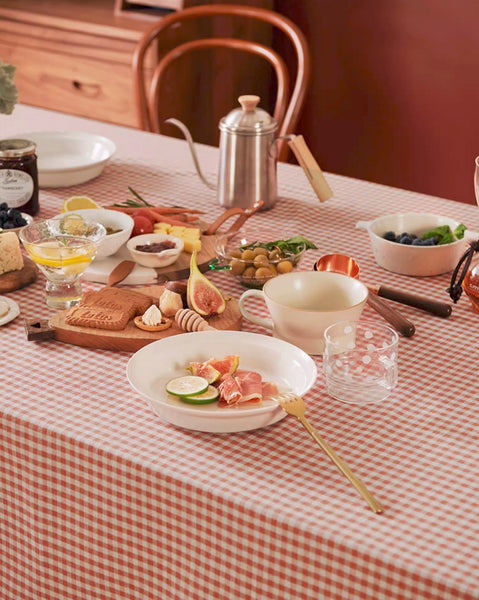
(19, 175)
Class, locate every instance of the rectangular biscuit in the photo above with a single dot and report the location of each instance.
(97, 300)
(135, 303)
(97, 317)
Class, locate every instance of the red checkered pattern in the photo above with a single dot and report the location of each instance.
(100, 500)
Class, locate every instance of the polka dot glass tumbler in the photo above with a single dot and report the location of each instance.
(360, 361)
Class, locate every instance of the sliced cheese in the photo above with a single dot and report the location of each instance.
(11, 258)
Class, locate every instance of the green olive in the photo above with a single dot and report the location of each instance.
(248, 255)
(260, 260)
(263, 273)
(237, 266)
(249, 273)
(259, 251)
(285, 266)
(235, 253)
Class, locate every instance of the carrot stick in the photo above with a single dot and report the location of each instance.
(165, 210)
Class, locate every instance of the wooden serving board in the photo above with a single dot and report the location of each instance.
(132, 338)
(14, 280)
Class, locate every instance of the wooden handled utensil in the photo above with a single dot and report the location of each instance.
(294, 405)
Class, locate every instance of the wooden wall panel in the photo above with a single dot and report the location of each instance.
(395, 91)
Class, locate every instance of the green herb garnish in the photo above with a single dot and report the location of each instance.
(133, 203)
(293, 245)
(444, 235)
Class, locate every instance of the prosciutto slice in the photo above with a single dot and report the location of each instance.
(243, 386)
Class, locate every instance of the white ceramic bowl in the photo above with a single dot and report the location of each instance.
(155, 260)
(287, 366)
(28, 219)
(419, 261)
(113, 219)
(67, 158)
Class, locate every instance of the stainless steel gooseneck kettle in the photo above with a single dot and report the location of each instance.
(248, 157)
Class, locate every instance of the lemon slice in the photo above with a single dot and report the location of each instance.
(78, 203)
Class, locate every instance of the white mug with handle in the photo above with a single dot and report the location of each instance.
(302, 304)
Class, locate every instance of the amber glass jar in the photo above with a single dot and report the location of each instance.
(19, 175)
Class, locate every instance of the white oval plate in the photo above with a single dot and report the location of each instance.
(150, 368)
(13, 310)
(67, 158)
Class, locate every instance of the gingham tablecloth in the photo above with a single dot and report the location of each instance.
(101, 500)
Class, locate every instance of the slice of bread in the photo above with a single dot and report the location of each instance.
(11, 258)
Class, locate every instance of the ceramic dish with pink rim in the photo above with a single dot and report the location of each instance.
(149, 370)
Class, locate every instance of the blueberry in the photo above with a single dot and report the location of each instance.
(8, 224)
(3, 206)
(405, 239)
(13, 212)
(19, 221)
(430, 242)
(417, 242)
(390, 236)
(3, 215)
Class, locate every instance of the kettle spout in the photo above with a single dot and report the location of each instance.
(185, 131)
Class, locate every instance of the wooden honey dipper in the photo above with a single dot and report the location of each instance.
(189, 320)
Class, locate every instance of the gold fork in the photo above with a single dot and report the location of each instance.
(294, 405)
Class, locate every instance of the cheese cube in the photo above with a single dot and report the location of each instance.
(11, 258)
(191, 245)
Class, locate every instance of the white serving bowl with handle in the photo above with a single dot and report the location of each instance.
(417, 261)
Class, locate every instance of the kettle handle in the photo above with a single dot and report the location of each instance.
(310, 166)
(185, 131)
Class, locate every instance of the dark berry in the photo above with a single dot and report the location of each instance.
(390, 236)
(417, 242)
(430, 242)
(3, 206)
(405, 239)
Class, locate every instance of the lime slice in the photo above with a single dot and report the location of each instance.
(73, 225)
(210, 395)
(188, 385)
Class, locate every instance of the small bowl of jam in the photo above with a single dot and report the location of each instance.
(155, 250)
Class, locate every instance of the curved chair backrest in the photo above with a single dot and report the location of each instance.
(290, 91)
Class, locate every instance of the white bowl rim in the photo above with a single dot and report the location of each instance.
(157, 237)
(371, 224)
(84, 135)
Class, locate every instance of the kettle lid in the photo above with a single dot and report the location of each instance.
(249, 119)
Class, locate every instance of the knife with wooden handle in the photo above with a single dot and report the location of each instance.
(120, 272)
(440, 309)
(392, 316)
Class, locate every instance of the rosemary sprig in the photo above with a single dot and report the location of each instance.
(134, 203)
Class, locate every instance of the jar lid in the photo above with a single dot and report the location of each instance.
(16, 148)
(249, 120)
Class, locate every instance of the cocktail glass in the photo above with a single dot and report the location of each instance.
(62, 248)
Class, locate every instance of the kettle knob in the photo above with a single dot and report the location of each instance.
(248, 102)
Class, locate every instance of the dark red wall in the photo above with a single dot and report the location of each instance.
(395, 91)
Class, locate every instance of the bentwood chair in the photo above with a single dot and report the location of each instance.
(207, 24)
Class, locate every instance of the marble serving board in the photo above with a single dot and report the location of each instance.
(99, 270)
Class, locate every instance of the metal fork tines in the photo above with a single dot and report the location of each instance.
(295, 405)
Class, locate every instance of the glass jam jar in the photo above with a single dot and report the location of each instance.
(19, 175)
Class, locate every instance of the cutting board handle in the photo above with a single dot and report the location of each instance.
(241, 213)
